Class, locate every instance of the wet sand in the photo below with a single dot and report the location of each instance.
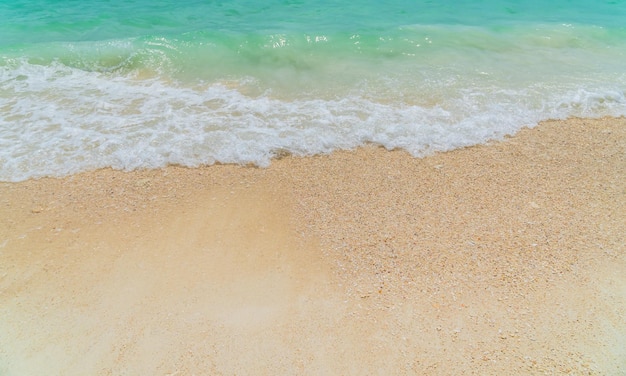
(508, 258)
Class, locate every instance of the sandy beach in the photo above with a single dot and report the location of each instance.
(499, 259)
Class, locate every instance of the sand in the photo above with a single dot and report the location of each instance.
(507, 258)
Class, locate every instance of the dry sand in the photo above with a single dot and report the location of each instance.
(499, 259)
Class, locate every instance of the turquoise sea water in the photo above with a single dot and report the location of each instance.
(135, 84)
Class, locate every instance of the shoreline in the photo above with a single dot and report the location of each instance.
(505, 258)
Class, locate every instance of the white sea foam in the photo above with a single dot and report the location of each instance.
(57, 120)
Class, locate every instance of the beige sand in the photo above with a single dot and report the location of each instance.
(502, 259)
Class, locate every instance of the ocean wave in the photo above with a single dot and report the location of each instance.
(58, 120)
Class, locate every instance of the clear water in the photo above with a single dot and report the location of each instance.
(143, 84)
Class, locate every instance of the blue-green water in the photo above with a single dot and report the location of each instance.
(130, 84)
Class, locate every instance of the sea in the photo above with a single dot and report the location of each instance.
(140, 84)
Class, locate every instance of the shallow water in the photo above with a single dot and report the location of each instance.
(85, 85)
